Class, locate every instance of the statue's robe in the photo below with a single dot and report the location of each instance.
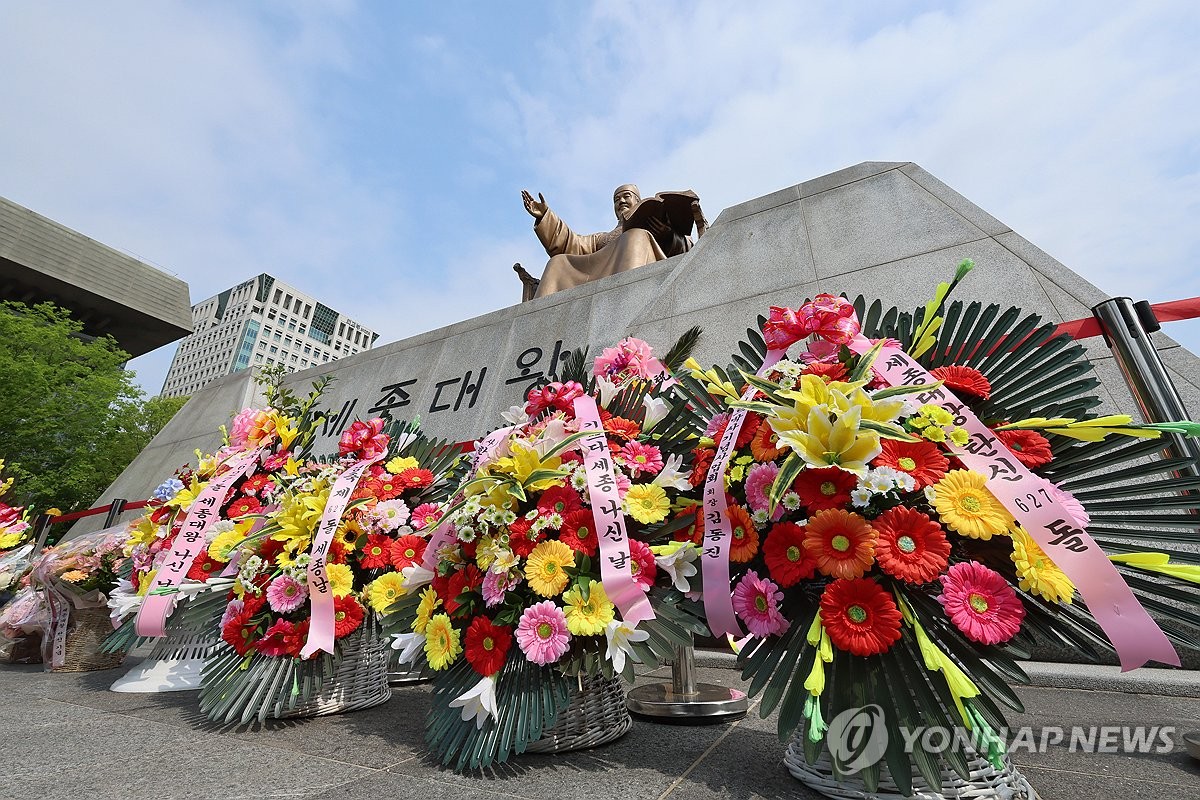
(576, 259)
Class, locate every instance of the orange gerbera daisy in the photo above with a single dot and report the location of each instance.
(744, 543)
(842, 542)
(764, 445)
(911, 546)
(922, 460)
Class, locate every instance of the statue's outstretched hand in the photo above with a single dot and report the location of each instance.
(536, 208)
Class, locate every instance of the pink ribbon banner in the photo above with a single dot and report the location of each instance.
(443, 534)
(204, 512)
(320, 594)
(616, 569)
(1133, 632)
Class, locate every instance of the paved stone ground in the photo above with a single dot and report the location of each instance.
(66, 736)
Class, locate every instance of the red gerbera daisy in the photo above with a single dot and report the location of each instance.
(922, 460)
(377, 552)
(297, 637)
(368, 487)
(694, 532)
(828, 487)
(204, 567)
(788, 561)
(749, 428)
(963, 380)
(622, 428)
(860, 617)
(1030, 447)
(243, 506)
(274, 640)
(827, 372)
(241, 632)
(910, 545)
(579, 532)
(843, 543)
(702, 460)
(389, 487)
(765, 444)
(521, 539)
(486, 645)
(743, 544)
(256, 483)
(405, 551)
(559, 500)
(347, 616)
(465, 581)
(415, 478)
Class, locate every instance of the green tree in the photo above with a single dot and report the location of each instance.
(71, 418)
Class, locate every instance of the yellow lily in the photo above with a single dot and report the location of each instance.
(839, 442)
(287, 428)
(524, 462)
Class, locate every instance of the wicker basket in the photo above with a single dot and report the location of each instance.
(597, 715)
(87, 630)
(361, 679)
(985, 783)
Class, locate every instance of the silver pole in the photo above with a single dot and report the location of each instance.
(684, 699)
(1127, 327)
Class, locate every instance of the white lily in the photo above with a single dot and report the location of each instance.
(607, 389)
(415, 576)
(515, 415)
(678, 560)
(554, 432)
(409, 645)
(656, 409)
(620, 635)
(478, 703)
(190, 589)
(670, 477)
(123, 600)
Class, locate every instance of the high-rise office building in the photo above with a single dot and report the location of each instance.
(259, 322)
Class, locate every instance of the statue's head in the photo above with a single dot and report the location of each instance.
(625, 199)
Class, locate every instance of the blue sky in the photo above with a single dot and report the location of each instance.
(388, 142)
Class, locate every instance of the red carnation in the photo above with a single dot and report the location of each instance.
(486, 645)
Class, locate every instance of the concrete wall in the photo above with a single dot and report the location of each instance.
(887, 230)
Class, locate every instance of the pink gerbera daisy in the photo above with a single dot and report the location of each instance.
(542, 633)
(644, 566)
(425, 516)
(981, 603)
(286, 594)
(389, 514)
(756, 600)
(641, 458)
(759, 480)
(495, 586)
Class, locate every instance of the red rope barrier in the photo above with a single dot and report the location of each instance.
(1170, 311)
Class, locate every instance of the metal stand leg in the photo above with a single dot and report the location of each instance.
(684, 700)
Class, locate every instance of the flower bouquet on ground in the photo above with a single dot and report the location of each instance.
(906, 513)
(553, 571)
(184, 545)
(16, 540)
(299, 628)
(75, 578)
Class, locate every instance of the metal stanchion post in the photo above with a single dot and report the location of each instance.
(114, 512)
(683, 699)
(1127, 327)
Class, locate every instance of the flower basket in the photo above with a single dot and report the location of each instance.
(985, 781)
(597, 715)
(360, 680)
(87, 629)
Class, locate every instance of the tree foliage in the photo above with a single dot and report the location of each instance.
(71, 418)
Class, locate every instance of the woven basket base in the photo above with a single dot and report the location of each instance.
(986, 782)
(597, 715)
(89, 627)
(361, 680)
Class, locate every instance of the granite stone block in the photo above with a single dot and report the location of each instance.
(968, 210)
(842, 177)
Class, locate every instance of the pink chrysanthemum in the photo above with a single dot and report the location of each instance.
(644, 566)
(981, 603)
(756, 601)
(641, 458)
(286, 594)
(496, 585)
(542, 633)
(389, 514)
(758, 484)
(425, 516)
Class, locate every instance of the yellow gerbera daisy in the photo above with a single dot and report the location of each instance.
(546, 568)
(1037, 573)
(442, 645)
(964, 503)
(587, 617)
(425, 609)
(401, 463)
(222, 545)
(647, 503)
(341, 579)
(385, 590)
